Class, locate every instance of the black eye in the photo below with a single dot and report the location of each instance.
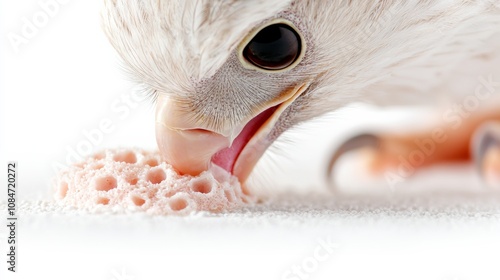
(274, 48)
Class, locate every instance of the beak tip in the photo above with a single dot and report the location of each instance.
(188, 151)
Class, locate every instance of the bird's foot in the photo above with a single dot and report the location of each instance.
(394, 158)
(486, 153)
(397, 157)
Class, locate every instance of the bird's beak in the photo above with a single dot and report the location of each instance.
(191, 149)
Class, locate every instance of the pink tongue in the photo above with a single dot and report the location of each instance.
(227, 157)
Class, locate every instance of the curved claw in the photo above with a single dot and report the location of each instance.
(361, 141)
(486, 147)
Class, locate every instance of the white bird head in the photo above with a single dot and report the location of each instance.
(231, 75)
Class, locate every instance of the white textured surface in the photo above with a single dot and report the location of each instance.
(438, 236)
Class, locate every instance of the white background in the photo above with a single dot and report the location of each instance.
(60, 83)
(66, 80)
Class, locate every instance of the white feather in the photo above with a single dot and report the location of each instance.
(385, 51)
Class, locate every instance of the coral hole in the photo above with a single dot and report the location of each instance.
(99, 156)
(178, 204)
(151, 162)
(201, 186)
(98, 166)
(63, 189)
(105, 183)
(156, 176)
(137, 200)
(132, 180)
(127, 156)
(103, 200)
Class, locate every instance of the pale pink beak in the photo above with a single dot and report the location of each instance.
(191, 149)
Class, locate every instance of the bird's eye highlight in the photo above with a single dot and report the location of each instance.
(275, 47)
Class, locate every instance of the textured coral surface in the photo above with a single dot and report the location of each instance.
(124, 179)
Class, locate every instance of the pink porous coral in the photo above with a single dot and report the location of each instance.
(135, 179)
